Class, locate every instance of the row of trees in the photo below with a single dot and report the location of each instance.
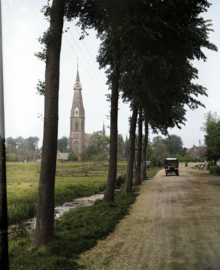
(147, 48)
(161, 148)
(21, 149)
(98, 147)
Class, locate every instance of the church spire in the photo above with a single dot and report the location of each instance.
(103, 130)
(77, 74)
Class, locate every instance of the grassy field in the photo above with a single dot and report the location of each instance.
(77, 231)
(23, 181)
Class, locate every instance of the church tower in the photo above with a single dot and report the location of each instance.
(77, 119)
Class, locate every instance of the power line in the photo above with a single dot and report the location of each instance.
(72, 63)
(89, 53)
(84, 56)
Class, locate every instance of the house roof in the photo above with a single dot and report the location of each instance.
(63, 156)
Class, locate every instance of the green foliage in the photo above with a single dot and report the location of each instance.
(92, 150)
(20, 149)
(149, 151)
(11, 157)
(98, 143)
(174, 144)
(40, 88)
(215, 170)
(120, 181)
(212, 140)
(99, 157)
(62, 144)
(72, 156)
(23, 184)
(209, 118)
(77, 231)
(210, 164)
(159, 151)
(84, 156)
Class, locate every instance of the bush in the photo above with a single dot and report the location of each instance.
(119, 181)
(215, 170)
(84, 156)
(72, 156)
(210, 164)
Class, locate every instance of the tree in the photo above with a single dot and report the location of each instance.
(84, 156)
(45, 210)
(139, 157)
(149, 151)
(62, 144)
(174, 144)
(72, 156)
(212, 140)
(33, 142)
(11, 143)
(159, 150)
(209, 118)
(131, 153)
(99, 143)
(92, 150)
(120, 148)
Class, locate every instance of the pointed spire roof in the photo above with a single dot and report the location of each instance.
(103, 130)
(77, 74)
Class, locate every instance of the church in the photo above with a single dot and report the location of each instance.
(78, 139)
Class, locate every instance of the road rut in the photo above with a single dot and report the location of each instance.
(174, 224)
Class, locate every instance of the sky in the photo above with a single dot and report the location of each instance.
(23, 24)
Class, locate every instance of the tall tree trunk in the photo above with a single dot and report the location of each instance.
(112, 173)
(138, 170)
(3, 209)
(129, 174)
(45, 210)
(143, 167)
(3, 191)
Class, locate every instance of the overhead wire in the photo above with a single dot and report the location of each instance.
(88, 63)
(63, 52)
(94, 61)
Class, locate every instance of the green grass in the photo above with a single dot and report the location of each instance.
(78, 231)
(23, 182)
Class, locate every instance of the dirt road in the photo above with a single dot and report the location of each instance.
(174, 224)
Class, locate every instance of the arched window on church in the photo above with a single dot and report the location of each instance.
(82, 124)
(76, 147)
(76, 112)
(76, 124)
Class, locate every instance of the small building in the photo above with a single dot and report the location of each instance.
(62, 156)
(197, 152)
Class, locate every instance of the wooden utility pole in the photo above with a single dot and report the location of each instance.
(3, 194)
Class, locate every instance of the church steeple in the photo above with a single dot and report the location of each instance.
(77, 74)
(103, 129)
(77, 119)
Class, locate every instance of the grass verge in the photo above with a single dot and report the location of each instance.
(78, 231)
(22, 189)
